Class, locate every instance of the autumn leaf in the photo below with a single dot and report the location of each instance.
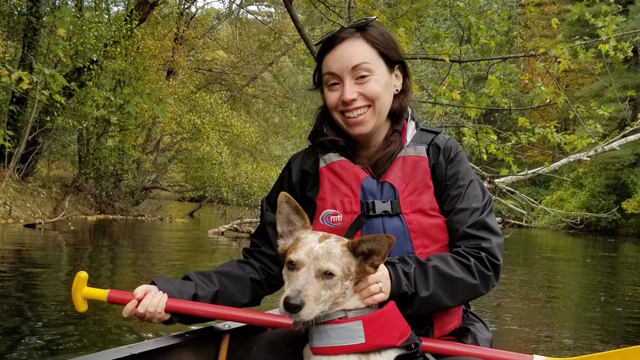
(602, 48)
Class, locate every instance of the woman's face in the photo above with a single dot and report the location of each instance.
(358, 89)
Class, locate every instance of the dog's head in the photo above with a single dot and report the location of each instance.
(321, 269)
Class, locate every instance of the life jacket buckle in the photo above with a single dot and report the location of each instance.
(380, 207)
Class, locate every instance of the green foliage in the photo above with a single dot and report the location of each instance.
(607, 184)
(125, 128)
(205, 101)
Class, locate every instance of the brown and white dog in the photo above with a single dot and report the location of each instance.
(321, 271)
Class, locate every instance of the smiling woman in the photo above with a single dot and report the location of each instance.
(369, 169)
(366, 87)
(358, 90)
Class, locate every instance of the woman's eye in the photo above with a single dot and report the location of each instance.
(332, 85)
(291, 265)
(328, 275)
(362, 77)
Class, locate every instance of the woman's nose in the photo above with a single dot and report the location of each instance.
(349, 93)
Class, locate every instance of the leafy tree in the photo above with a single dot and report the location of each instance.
(208, 100)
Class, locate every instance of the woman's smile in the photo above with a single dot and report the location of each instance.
(356, 113)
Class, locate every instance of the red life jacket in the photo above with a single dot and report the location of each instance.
(361, 333)
(401, 204)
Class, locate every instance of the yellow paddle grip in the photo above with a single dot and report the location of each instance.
(80, 292)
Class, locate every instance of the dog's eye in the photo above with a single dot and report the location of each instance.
(291, 265)
(328, 275)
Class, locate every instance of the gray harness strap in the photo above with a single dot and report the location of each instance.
(350, 333)
(344, 314)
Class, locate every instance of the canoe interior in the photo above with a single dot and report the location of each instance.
(199, 344)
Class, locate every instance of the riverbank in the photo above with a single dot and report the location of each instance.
(34, 201)
(30, 200)
(40, 199)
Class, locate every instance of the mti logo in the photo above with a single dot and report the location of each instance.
(331, 218)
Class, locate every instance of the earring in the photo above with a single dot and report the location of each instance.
(397, 91)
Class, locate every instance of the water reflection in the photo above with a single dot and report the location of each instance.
(566, 294)
(560, 294)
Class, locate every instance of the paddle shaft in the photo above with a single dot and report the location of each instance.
(210, 311)
(256, 318)
(448, 348)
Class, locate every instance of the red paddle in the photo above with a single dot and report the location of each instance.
(80, 293)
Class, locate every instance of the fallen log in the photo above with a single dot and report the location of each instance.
(34, 225)
(242, 226)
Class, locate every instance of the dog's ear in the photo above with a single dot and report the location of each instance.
(371, 251)
(290, 218)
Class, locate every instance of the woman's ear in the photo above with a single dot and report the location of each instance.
(398, 77)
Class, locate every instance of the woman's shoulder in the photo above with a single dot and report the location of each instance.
(305, 159)
(304, 154)
(438, 144)
(447, 145)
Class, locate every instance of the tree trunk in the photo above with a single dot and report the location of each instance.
(634, 63)
(19, 100)
(178, 39)
(21, 149)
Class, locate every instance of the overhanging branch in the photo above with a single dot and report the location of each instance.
(555, 166)
(464, 61)
(288, 4)
(484, 108)
(257, 75)
(460, 60)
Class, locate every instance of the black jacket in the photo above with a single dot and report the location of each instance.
(419, 286)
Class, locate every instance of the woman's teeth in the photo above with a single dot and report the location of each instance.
(356, 113)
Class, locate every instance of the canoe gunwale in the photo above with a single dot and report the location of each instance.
(210, 332)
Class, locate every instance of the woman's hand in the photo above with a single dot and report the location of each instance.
(375, 288)
(148, 304)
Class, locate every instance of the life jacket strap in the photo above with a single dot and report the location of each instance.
(356, 226)
(372, 208)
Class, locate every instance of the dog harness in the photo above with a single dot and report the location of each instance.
(351, 203)
(362, 333)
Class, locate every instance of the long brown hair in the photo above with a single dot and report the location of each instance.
(389, 51)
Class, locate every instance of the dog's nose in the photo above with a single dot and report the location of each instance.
(293, 304)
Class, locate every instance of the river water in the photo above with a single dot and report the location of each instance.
(560, 294)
